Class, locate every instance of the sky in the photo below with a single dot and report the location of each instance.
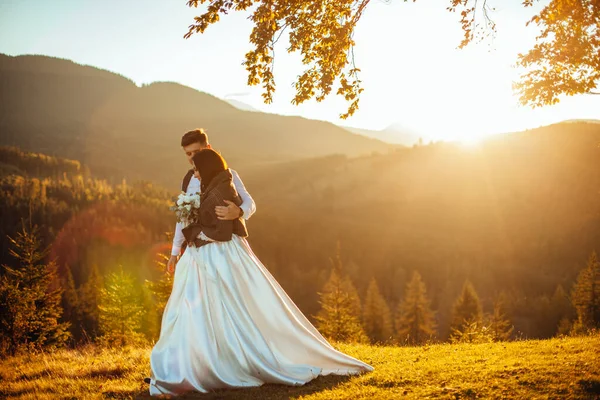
(413, 74)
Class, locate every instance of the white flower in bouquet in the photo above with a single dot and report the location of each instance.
(187, 208)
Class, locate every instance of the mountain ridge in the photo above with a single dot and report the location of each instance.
(103, 119)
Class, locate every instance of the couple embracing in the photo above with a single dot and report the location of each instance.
(228, 323)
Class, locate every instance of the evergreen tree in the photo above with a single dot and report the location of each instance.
(500, 328)
(161, 289)
(562, 311)
(541, 314)
(18, 309)
(31, 307)
(466, 314)
(89, 299)
(70, 304)
(339, 317)
(376, 315)
(156, 297)
(415, 321)
(565, 326)
(150, 325)
(121, 310)
(586, 295)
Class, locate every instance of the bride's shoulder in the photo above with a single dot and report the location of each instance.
(223, 190)
(227, 186)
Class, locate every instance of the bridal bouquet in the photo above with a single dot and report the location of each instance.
(187, 208)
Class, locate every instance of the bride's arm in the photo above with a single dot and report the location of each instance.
(178, 240)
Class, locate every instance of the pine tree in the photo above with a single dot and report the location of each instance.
(500, 328)
(157, 295)
(415, 321)
(31, 307)
(466, 314)
(339, 317)
(120, 309)
(161, 289)
(70, 304)
(376, 315)
(18, 308)
(150, 325)
(562, 311)
(565, 327)
(586, 295)
(89, 300)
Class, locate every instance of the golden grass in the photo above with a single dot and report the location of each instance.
(561, 368)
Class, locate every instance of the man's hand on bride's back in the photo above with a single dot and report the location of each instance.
(171, 264)
(228, 212)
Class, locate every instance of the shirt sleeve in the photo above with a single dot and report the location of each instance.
(178, 239)
(248, 204)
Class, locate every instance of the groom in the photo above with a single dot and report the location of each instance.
(192, 142)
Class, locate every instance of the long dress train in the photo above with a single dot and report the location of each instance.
(229, 324)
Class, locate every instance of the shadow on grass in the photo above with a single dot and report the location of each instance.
(114, 372)
(591, 386)
(265, 392)
(36, 392)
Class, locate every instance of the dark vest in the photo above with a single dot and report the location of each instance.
(186, 180)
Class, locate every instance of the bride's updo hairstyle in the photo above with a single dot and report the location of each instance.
(209, 164)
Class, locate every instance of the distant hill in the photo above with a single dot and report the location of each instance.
(120, 130)
(394, 134)
(240, 105)
(15, 162)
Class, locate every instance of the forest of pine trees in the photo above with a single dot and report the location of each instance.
(340, 318)
(83, 261)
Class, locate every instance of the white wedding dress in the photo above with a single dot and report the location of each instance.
(229, 324)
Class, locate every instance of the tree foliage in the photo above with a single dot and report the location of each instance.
(499, 326)
(320, 30)
(467, 313)
(30, 302)
(339, 316)
(121, 310)
(70, 304)
(586, 294)
(157, 293)
(377, 319)
(564, 59)
(89, 301)
(415, 322)
(161, 288)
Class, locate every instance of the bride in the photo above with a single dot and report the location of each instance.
(228, 323)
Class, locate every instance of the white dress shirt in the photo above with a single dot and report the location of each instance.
(194, 187)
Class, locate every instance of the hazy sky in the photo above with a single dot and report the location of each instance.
(412, 74)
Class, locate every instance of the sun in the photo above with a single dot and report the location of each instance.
(472, 142)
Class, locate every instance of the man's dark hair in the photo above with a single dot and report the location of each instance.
(209, 164)
(195, 136)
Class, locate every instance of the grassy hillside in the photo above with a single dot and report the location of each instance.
(120, 130)
(561, 368)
